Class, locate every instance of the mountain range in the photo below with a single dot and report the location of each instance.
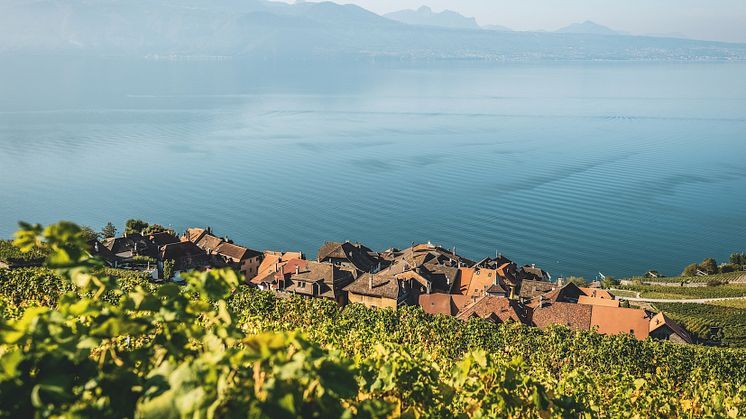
(426, 17)
(267, 30)
(589, 28)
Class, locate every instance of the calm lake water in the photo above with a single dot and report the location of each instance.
(578, 167)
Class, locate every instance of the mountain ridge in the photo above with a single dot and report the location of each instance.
(273, 30)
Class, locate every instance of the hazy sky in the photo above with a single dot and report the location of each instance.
(701, 19)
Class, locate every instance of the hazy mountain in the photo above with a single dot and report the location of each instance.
(425, 16)
(588, 28)
(498, 28)
(266, 30)
(668, 35)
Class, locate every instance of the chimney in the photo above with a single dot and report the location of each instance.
(297, 269)
(370, 282)
(429, 287)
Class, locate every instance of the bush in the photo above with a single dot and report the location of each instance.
(690, 270)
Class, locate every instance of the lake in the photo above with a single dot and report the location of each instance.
(578, 167)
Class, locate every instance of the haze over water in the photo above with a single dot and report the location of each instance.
(578, 167)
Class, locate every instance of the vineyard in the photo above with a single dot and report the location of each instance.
(719, 323)
(739, 276)
(667, 292)
(79, 340)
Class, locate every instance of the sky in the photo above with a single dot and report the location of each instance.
(718, 20)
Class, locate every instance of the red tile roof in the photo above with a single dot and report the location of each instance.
(497, 309)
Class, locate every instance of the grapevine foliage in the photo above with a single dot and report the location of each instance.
(107, 344)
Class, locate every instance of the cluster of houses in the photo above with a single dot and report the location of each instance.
(426, 275)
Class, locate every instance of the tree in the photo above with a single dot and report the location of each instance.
(156, 228)
(738, 258)
(709, 266)
(89, 234)
(135, 226)
(109, 231)
(690, 270)
(609, 282)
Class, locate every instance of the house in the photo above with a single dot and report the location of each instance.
(597, 293)
(391, 287)
(244, 260)
(161, 239)
(595, 301)
(529, 289)
(571, 307)
(496, 310)
(224, 252)
(185, 255)
(320, 280)
(571, 293)
(620, 320)
(663, 328)
(447, 304)
(533, 273)
(476, 282)
(271, 263)
(353, 256)
(278, 280)
(574, 316)
(97, 249)
(131, 245)
(418, 254)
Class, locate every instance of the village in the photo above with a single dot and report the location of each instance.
(426, 275)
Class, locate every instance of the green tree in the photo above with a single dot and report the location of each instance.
(109, 231)
(738, 258)
(157, 228)
(135, 226)
(609, 282)
(89, 234)
(709, 266)
(690, 270)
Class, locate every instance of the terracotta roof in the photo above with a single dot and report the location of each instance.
(595, 301)
(272, 261)
(423, 253)
(660, 320)
(619, 320)
(508, 272)
(574, 316)
(476, 281)
(209, 242)
(357, 254)
(496, 308)
(597, 293)
(235, 251)
(193, 234)
(439, 303)
(531, 288)
(381, 284)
